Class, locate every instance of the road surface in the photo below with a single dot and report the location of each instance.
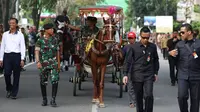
(29, 97)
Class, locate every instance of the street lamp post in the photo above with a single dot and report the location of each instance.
(17, 9)
(137, 21)
(166, 8)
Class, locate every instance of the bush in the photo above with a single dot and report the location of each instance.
(196, 25)
(197, 8)
(47, 20)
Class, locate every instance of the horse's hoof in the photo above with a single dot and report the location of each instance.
(95, 101)
(102, 105)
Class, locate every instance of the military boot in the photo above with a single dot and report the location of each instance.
(54, 93)
(44, 94)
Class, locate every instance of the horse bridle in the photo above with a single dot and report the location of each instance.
(60, 26)
(103, 42)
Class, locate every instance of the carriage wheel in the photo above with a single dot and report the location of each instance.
(75, 81)
(113, 77)
(120, 83)
(83, 75)
(80, 80)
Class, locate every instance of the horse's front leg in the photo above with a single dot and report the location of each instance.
(95, 83)
(101, 86)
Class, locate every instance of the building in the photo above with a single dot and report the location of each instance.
(196, 15)
(197, 2)
(185, 11)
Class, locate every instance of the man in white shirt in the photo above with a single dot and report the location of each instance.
(12, 55)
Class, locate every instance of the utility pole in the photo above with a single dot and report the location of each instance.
(166, 8)
(17, 9)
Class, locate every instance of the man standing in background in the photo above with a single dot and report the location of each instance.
(31, 46)
(26, 44)
(131, 40)
(171, 43)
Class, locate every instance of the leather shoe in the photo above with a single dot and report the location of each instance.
(44, 102)
(8, 94)
(53, 103)
(13, 97)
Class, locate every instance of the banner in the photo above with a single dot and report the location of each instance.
(164, 24)
(149, 20)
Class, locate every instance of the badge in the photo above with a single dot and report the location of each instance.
(148, 58)
(195, 55)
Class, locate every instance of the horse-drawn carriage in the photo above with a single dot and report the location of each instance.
(104, 57)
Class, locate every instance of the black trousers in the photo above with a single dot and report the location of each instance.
(31, 53)
(164, 53)
(172, 66)
(144, 90)
(131, 92)
(184, 88)
(11, 64)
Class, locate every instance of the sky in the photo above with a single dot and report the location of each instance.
(120, 3)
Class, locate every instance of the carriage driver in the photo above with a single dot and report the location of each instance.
(89, 31)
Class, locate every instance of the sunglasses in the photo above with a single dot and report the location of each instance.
(145, 38)
(182, 32)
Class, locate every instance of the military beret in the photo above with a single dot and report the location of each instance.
(48, 26)
(92, 19)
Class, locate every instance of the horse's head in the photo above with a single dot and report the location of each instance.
(60, 27)
(109, 30)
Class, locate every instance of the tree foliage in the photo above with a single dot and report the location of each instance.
(72, 6)
(7, 11)
(141, 8)
(36, 7)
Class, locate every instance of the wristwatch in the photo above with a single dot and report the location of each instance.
(37, 62)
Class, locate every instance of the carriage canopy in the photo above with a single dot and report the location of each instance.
(100, 11)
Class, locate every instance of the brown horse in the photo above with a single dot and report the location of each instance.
(99, 56)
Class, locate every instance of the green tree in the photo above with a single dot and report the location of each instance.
(1, 14)
(36, 7)
(7, 10)
(196, 25)
(72, 6)
(143, 8)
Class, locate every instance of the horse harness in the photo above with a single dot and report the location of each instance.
(102, 41)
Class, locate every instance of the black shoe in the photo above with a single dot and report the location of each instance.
(13, 97)
(66, 68)
(8, 94)
(44, 102)
(23, 69)
(53, 102)
(173, 84)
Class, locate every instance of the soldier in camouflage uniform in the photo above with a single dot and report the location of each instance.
(47, 53)
(89, 31)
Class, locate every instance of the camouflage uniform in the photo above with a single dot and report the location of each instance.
(88, 34)
(48, 58)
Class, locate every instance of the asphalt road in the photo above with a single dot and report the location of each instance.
(29, 97)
